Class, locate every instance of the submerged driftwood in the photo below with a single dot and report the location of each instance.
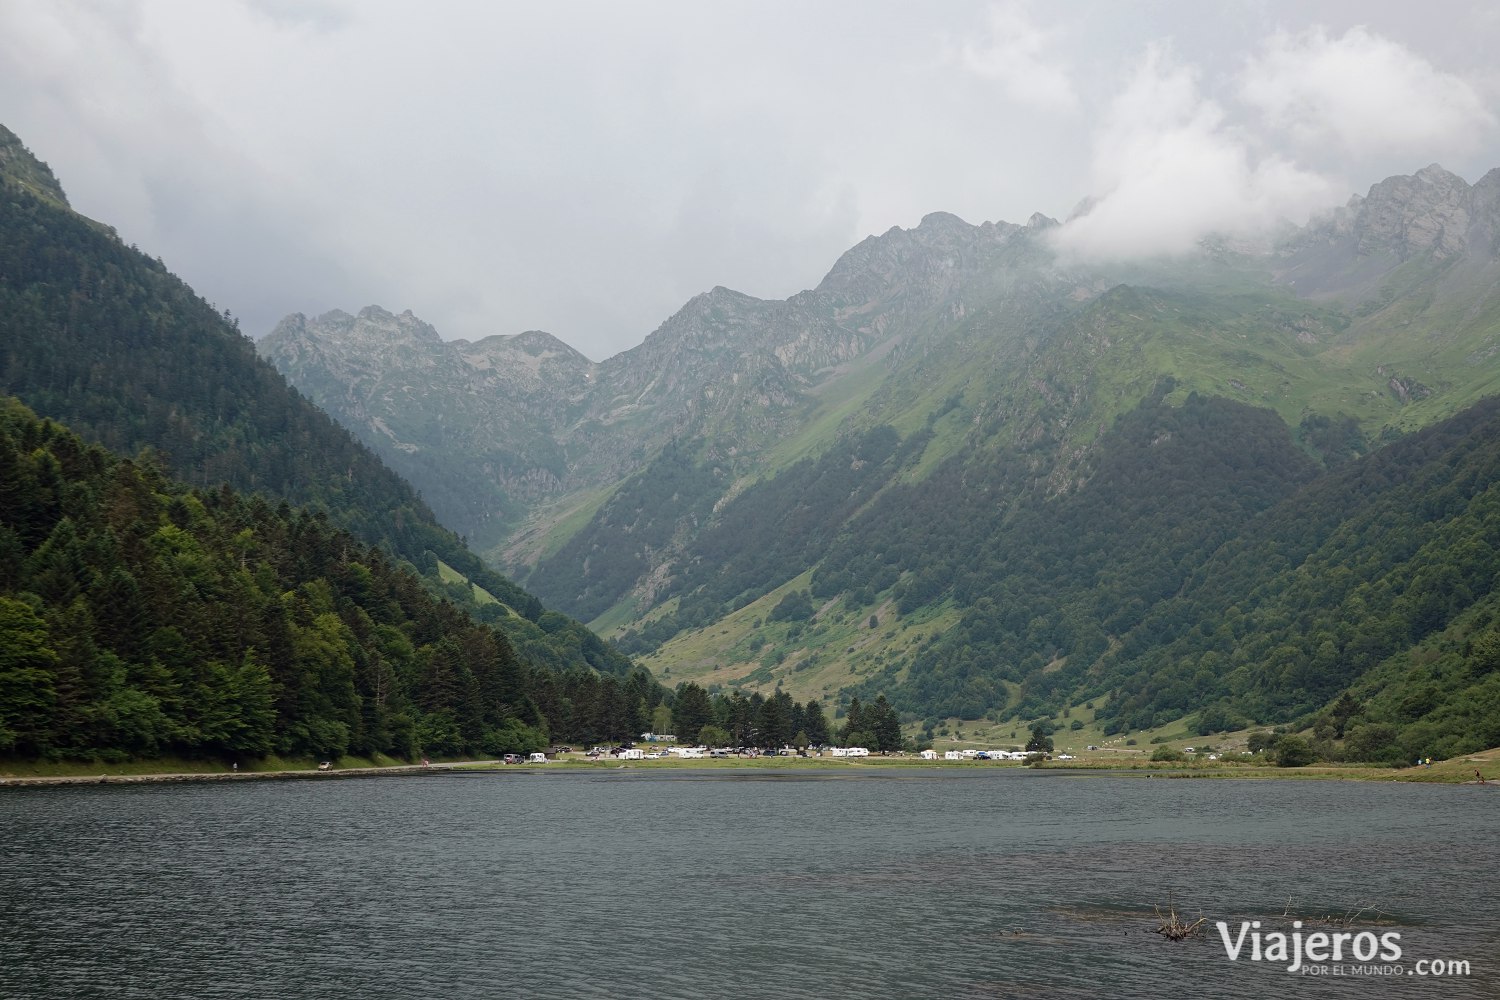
(1174, 928)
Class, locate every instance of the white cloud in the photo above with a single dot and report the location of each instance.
(1017, 56)
(1365, 92)
(1169, 169)
(585, 168)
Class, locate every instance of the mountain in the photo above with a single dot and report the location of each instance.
(141, 618)
(101, 338)
(20, 171)
(963, 469)
(727, 366)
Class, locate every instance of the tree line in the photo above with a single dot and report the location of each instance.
(140, 617)
(774, 721)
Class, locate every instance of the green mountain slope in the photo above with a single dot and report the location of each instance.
(1314, 595)
(1001, 463)
(140, 618)
(21, 171)
(106, 340)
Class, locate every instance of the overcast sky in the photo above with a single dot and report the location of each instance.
(585, 168)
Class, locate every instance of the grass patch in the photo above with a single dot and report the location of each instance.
(448, 574)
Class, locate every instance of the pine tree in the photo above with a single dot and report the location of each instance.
(884, 725)
(815, 723)
(692, 711)
(27, 674)
(854, 721)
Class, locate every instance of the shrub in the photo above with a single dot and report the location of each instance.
(796, 606)
(1294, 751)
(1259, 740)
(1373, 741)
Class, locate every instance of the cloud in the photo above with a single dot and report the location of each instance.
(1363, 91)
(321, 15)
(139, 149)
(586, 168)
(1016, 56)
(1170, 169)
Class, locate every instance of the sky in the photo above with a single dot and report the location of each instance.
(585, 168)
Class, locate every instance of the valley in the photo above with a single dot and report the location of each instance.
(968, 471)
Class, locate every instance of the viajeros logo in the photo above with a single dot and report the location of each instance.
(1330, 953)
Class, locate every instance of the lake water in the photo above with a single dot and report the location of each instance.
(714, 884)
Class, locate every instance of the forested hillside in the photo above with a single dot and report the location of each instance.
(1380, 578)
(769, 532)
(140, 617)
(1037, 579)
(997, 482)
(102, 338)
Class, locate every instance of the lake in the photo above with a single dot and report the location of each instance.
(952, 883)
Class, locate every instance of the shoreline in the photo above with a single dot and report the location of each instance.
(192, 777)
(1454, 772)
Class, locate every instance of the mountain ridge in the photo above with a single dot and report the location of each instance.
(973, 349)
(21, 170)
(742, 369)
(107, 341)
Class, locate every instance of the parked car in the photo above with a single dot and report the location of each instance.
(511, 758)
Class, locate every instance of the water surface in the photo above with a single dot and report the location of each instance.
(712, 884)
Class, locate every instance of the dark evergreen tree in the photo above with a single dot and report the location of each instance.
(884, 725)
(1040, 741)
(816, 723)
(691, 711)
(854, 722)
(776, 721)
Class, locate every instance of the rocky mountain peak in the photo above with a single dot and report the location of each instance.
(371, 341)
(1428, 210)
(535, 342)
(875, 262)
(525, 360)
(942, 223)
(376, 324)
(915, 270)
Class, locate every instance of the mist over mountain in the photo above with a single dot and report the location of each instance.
(983, 462)
(200, 487)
